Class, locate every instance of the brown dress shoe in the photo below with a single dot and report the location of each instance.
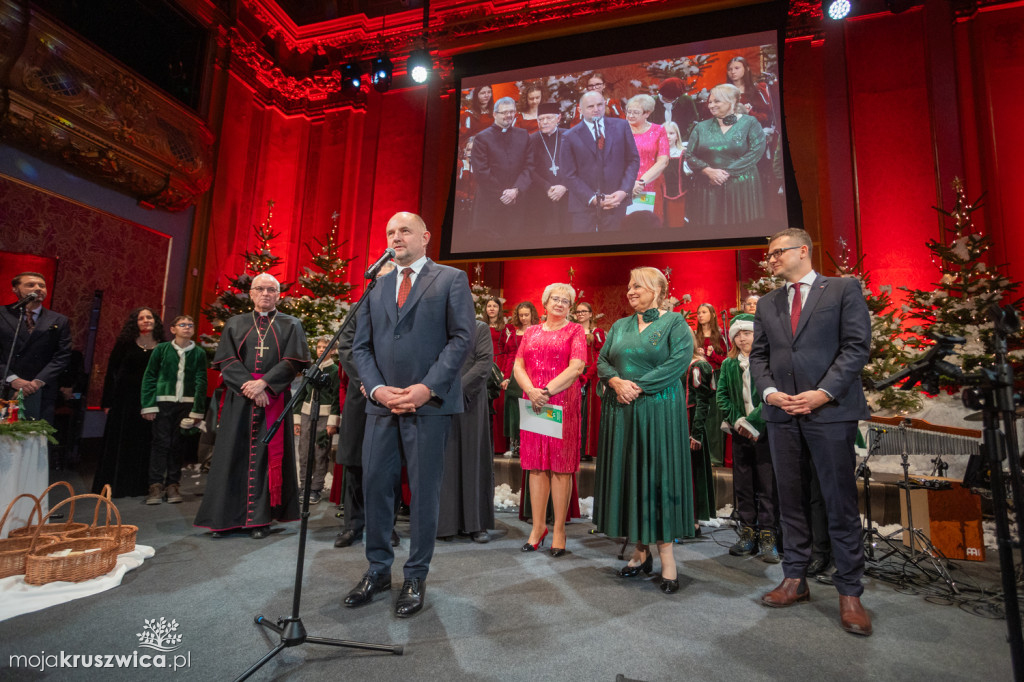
(789, 592)
(853, 617)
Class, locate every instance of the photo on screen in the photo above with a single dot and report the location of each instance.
(672, 146)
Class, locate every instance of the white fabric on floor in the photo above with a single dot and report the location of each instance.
(18, 597)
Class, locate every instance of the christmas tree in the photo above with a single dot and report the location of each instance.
(766, 282)
(325, 305)
(889, 353)
(234, 298)
(967, 286)
(481, 292)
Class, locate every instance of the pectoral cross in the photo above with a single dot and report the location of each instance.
(554, 169)
(261, 347)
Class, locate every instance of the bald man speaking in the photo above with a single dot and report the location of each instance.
(412, 335)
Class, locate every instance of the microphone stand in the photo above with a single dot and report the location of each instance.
(14, 343)
(291, 629)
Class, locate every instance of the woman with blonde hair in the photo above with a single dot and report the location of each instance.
(644, 480)
(723, 152)
(548, 363)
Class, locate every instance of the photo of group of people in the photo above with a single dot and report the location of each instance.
(627, 149)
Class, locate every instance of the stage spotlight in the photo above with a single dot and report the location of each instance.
(380, 73)
(419, 65)
(838, 9)
(351, 77)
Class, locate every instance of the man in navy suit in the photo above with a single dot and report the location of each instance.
(812, 338)
(42, 349)
(603, 170)
(412, 335)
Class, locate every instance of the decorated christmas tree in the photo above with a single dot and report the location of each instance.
(325, 302)
(234, 298)
(481, 292)
(889, 353)
(766, 282)
(967, 286)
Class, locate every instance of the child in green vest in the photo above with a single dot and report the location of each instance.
(753, 480)
(173, 398)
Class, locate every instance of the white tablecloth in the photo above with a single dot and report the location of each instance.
(24, 468)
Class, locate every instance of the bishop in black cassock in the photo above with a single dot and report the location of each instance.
(250, 483)
(547, 205)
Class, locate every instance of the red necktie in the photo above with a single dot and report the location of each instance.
(600, 135)
(30, 321)
(794, 311)
(403, 289)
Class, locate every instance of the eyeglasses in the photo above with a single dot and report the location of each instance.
(265, 290)
(777, 253)
(185, 325)
(559, 299)
(634, 112)
(582, 311)
(594, 86)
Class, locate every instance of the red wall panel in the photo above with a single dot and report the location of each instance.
(895, 171)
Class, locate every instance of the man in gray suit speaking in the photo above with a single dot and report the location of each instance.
(412, 335)
(812, 338)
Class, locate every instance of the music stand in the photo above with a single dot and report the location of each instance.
(928, 554)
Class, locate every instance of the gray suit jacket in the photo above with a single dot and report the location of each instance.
(830, 348)
(425, 342)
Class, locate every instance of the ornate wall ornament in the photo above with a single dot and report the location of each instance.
(74, 105)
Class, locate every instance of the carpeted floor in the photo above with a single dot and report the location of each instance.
(495, 613)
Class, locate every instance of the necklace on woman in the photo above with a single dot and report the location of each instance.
(260, 347)
(553, 168)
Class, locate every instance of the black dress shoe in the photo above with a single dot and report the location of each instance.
(480, 536)
(371, 584)
(557, 552)
(346, 538)
(819, 564)
(647, 566)
(395, 540)
(410, 600)
(669, 586)
(259, 532)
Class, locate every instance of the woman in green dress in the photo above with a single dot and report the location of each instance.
(723, 152)
(644, 483)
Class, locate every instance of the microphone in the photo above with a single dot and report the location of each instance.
(372, 271)
(32, 296)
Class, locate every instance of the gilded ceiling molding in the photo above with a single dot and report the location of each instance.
(310, 95)
(71, 104)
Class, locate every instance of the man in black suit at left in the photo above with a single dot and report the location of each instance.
(499, 158)
(41, 351)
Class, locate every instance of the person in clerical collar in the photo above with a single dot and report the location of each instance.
(252, 483)
(547, 204)
(499, 161)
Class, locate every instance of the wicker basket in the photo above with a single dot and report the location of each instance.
(58, 529)
(125, 538)
(89, 558)
(14, 550)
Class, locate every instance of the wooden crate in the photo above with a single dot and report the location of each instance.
(950, 519)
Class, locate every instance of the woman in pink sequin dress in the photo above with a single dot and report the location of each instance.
(548, 363)
(652, 144)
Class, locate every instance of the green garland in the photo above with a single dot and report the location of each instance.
(20, 429)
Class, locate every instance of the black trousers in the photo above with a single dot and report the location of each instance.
(167, 451)
(753, 482)
(794, 444)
